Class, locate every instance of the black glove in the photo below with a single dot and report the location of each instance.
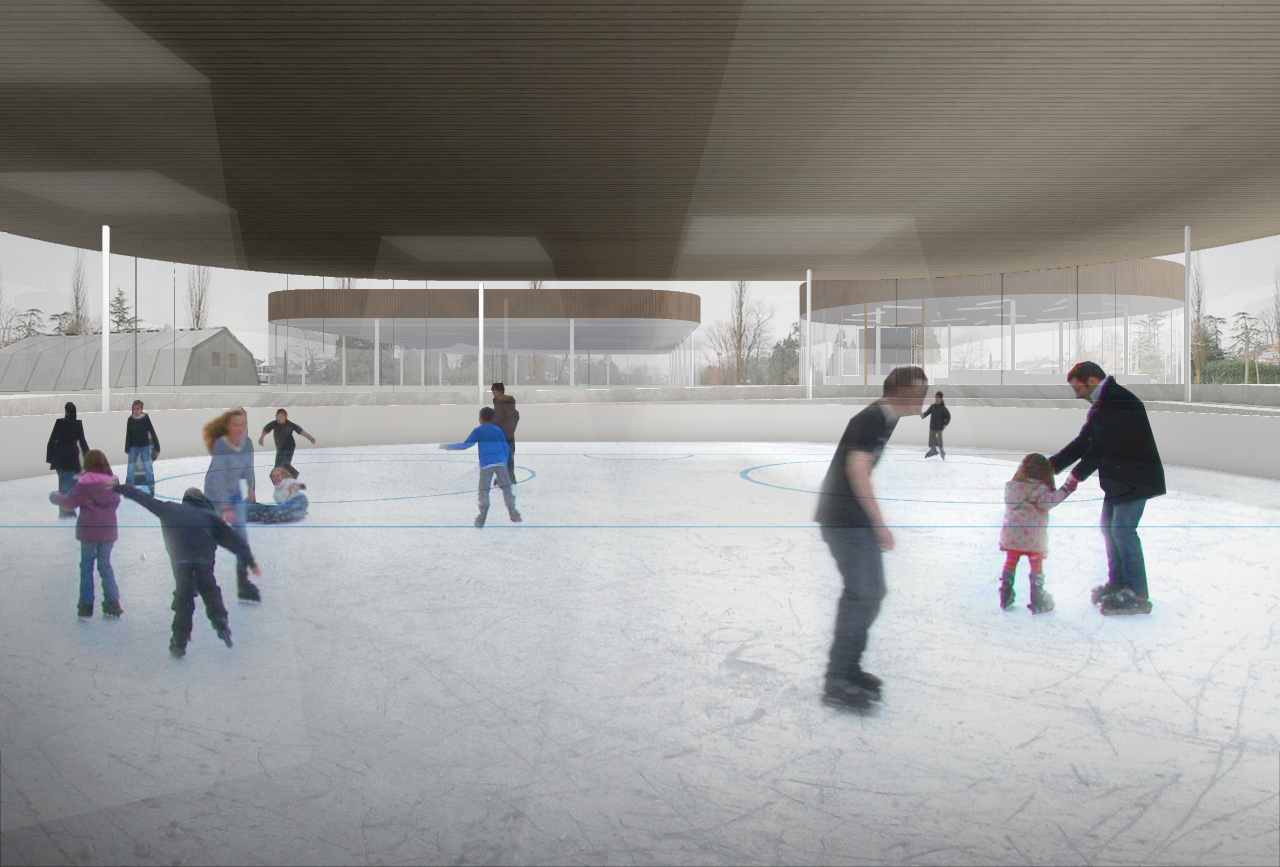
(155, 452)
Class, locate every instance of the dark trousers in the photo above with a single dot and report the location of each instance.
(935, 441)
(511, 462)
(861, 566)
(284, 454)
(192, 577)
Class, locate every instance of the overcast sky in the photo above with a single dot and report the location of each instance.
(38, 274)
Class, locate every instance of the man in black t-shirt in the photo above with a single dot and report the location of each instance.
(282, 431)
(854, 529)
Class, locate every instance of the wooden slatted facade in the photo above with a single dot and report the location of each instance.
(464, 304)
(1155, 278)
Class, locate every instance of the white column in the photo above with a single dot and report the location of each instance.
(480, 344)
(377, 352)
(106, 320)
(1186, 313)
(808, 333)
(571, 356)
(1013, 333)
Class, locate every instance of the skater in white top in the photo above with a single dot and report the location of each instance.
(1028, 498)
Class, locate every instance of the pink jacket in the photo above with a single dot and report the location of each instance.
(1026, 515)
(97, 502)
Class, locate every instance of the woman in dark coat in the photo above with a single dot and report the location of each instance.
(62, 454)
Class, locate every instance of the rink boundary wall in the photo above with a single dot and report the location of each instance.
(1220, 441)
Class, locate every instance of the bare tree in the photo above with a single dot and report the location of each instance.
(76, 320)
(197, 297)
(1270, 318)
(742, 336)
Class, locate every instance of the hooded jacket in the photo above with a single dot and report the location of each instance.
(192, 529)
(1026, 515)
(507, 414)
(61, 452)
(94, 495)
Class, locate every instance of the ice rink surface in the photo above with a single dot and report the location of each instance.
(632, 676)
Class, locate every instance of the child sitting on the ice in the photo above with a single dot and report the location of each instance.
(1028, 498)
(493, 463)
(95, 530)
(193, 530)
(290, 503)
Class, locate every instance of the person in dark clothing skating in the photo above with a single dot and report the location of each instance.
(1117, 441)
(939, 417)
(62, 454)
(142, 445)
(507, 419)
(282, 431)
(192, 533)
(854, 529)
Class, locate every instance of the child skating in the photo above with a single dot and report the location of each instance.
(96, 530)
(290, 501)
(1028, 498)
(192, 533)
(492, 442)
(282, 431)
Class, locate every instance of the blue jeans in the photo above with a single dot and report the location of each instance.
(1125, 566)
(101, 552)
(140, 455)
(242, 513)
(67, 481)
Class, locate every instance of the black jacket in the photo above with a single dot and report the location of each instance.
(939, 416)
(138, 432)
(192, 529)
(1116, 440)
(61, 453)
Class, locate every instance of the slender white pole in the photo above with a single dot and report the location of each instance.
(1186, 313)
(808, 333)
(106, 318)
(480, 345)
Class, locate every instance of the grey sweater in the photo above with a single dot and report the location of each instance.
(228, 467)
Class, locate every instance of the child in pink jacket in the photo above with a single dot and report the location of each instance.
(1028, 498)
(96, 530)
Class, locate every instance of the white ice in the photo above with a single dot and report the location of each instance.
(632, 676)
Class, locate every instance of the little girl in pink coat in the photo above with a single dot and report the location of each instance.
(1028, 498)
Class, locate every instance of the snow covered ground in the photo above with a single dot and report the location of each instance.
(632, 676)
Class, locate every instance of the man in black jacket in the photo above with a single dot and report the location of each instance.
(192, 533)
(941, 417)
(1116, 440)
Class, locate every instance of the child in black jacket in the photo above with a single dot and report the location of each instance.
(192, 533)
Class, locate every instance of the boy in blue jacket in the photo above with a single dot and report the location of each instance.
(492, 442)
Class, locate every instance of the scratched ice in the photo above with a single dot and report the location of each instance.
(632, 676)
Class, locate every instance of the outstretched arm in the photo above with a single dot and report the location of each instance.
(235, 543)
(142, 498)
(465, 444)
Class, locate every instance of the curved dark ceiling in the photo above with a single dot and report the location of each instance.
(639, 140)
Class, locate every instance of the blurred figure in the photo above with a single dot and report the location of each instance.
(192, 533)
(493, 463)
(1028, 498)
(290, 501)
(229, 444)
(96, 530)
(941, 417)
(854, 529)
(507, 419)
(282, 431)
(142, 445)
(61, 453)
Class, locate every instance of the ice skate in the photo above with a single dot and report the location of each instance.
(867, 682)
(515, 517)
(177, 649)
(1007, 594)
(223, 632)
(1126, 602)
(84, 609)
(1102, 592)
(846, 695)
(246, 590)
(111, 609)
(484, 513)
(1041, 601)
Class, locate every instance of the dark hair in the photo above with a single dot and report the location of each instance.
(71, 409)
(487, 413)
(497, 386)
(282, 410)
(938, 394)
(1035, 468)
(137, 403)
(902, 378)
(1084, 371)
(96, 462)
